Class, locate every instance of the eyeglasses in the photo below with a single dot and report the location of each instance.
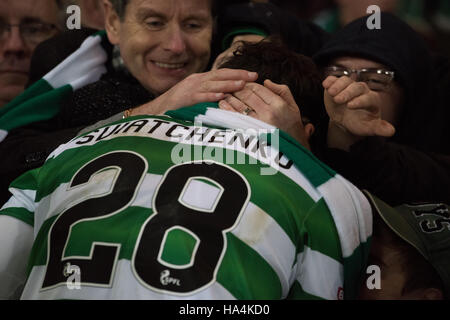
(376, 79)
(31, 32)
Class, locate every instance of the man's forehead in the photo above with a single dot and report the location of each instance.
(357, 63)
(186, 7)
(15, 11)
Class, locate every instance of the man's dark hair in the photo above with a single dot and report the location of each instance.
(420, 274)
(271, 59)
(121, 5)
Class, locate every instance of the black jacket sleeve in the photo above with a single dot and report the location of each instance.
(395, 173)
(25, 149)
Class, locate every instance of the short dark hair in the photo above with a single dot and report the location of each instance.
(271, 59)
(420, 274)
(121, 5)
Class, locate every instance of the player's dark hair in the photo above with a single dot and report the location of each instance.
(271, 59)
(121, 5)
(420, 274)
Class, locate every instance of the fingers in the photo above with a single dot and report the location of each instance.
(366, 101)
(231, 74)
(339, 85)
(384, 129)
(231, 103)
(222, 86)
(224, 105)
(353, 90)
(329, 81)
(281, 90)
(248, 97)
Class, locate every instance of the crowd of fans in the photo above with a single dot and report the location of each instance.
(368, 105)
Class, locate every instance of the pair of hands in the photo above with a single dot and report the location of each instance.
(235, 90)
(353, 108)
(203, 87)
(354, 112)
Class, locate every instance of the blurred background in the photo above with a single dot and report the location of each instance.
(431, 18)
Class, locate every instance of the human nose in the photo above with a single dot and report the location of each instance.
(12, 40)
(355, 76)
(175, 41)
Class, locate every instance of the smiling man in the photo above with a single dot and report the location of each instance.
(161, 42)
(23, 25)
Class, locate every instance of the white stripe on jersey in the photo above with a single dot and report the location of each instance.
(21, 199)
(125, 287)
(64, 197)
(349, 208)
(263, 234)
(317, 274)
(100, 184)
(16, 239)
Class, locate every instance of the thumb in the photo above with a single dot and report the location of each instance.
(281, 90)
(384, 129)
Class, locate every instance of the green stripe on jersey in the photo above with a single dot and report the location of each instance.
(246, 275)
(27, 181)
(279, 196)
(122, 228)
(353, 271)
(320, 222)
(19, 213)
(38, 256)
(297, 293)
(179, 247)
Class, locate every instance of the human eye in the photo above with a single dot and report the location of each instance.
(33, 28)
(336, 72)
(154, 23)
(376, 82)
(194, 25)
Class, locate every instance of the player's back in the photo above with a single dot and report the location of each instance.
(156, 208)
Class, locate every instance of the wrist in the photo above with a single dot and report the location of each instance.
(339, 137)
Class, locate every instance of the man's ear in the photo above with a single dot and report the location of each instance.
(309, 130)
(112, 22)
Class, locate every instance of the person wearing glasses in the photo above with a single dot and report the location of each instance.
(386, 128)
(23, 25)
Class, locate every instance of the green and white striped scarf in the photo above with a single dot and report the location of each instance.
(42, 100)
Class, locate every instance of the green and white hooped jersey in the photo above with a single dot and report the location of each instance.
(117, 215)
